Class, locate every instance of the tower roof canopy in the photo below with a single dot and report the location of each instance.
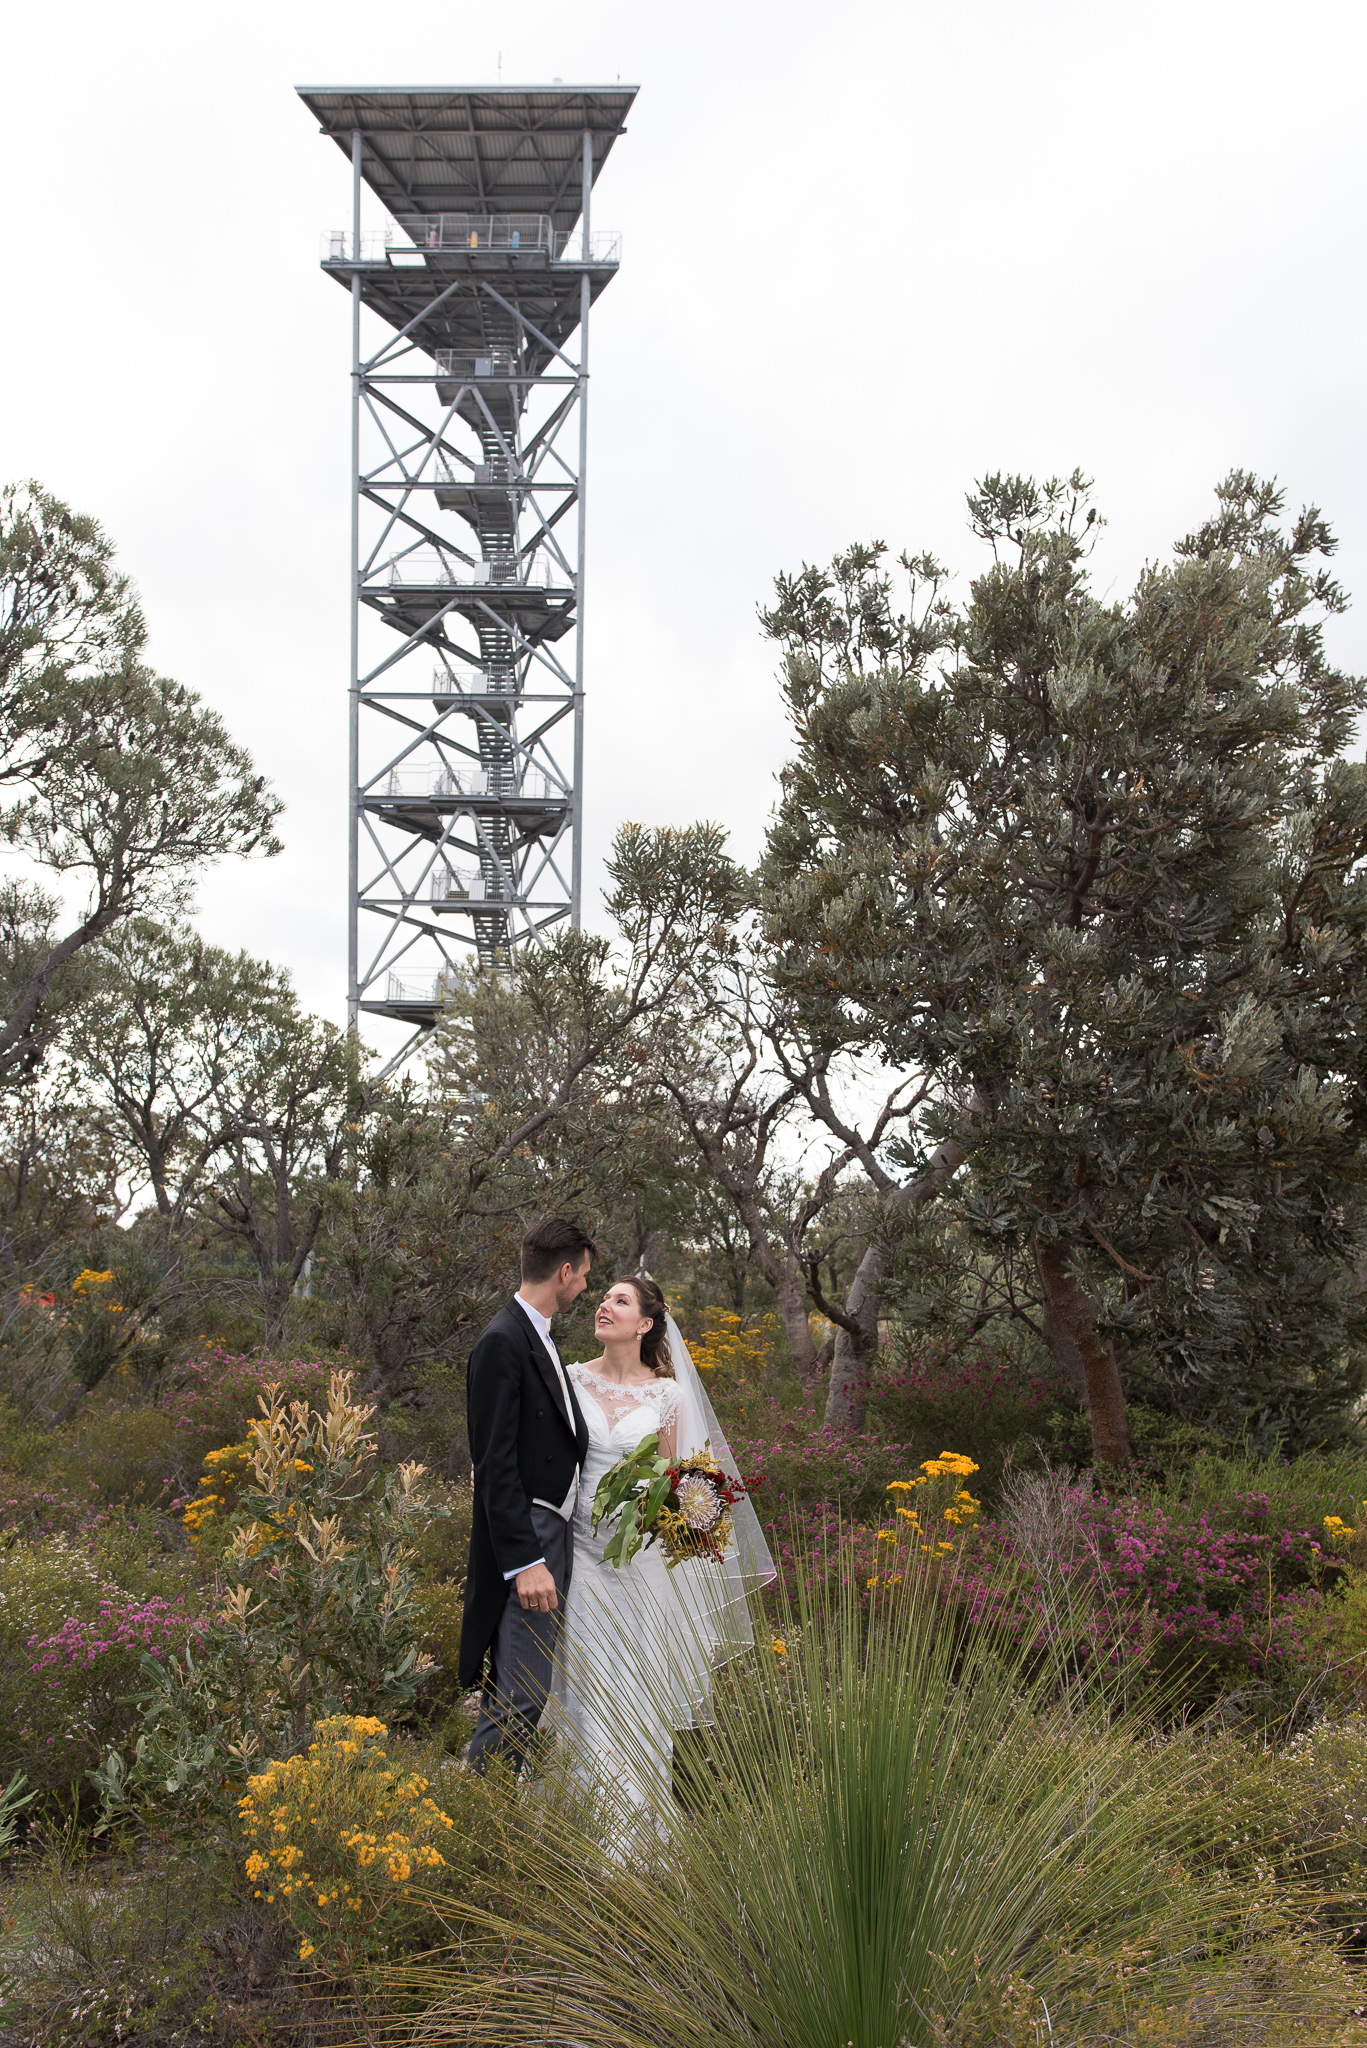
(479, 149)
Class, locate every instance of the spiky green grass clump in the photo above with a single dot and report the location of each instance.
(890, 1824)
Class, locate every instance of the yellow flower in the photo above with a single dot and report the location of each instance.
(779, 1649)
(951, 1463)
(90, 1279)
(305, 1950)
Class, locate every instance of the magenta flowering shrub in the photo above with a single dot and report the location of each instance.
(968, 1383)
(72, 1645)
(1195, 1598)
(975, 1402)
(918, 1407)
(154, 1625)
(39, 1507)
(1220, 1592)
(804, 1465)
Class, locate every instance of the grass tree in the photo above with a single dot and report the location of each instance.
(1095, 864)
(883, 1825)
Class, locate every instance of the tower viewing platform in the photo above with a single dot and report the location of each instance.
(469, 451)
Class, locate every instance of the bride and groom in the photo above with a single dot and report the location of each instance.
(621, 1658)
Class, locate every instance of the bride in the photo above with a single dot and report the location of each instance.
(639, 1644)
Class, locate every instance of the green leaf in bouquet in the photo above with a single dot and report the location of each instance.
(623, 1545)
(626, 1477)
(656, 1497)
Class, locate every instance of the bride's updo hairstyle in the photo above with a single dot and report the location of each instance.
(655, 1342)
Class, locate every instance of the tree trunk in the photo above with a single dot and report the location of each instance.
(1075, 1346)
(791, 1290)
(847, 1395)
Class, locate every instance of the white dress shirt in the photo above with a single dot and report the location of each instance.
(564, 1508)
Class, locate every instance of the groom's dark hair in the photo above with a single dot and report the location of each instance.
(551, 1244)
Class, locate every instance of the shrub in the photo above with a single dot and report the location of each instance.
(226, 1471)
(1267, 1982)
(346, 1841)
(1339, 1641)
(212, 1397)
(1201, 1597)
(429, 1427)
(440, 1610)
(314, 1614)
(442, 1553)
(1224, 1593)
(442, 1548)
(72, 1645)
(805, 1465)
(145, 1950)
(1167, 1449)
(32, 1507)
(23, 1445)
(1300, 1492)
(735, 1348)
(117, 1451)
(1292, 1811)
(992, 1407)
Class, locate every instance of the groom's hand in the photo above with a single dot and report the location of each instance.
(536, 1590)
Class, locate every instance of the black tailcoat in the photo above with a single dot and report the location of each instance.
(523, 1448)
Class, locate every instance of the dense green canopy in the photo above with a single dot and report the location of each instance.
(1097, 867)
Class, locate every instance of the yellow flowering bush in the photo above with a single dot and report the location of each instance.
(88, 1279)
(226, 1472)
(729, 1341)
(313, 1613)
(930, 1510)
(348, 1844)
(1338, 1535)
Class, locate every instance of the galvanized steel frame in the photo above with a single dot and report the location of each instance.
(520, 816)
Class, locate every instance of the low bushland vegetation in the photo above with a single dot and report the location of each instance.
(1123, 1723)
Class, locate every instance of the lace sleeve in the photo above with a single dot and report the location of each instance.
(669, 1399)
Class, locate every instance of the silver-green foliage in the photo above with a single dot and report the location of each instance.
(1097, 864)
(315, 1612)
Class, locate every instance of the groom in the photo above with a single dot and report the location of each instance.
(528, 1441)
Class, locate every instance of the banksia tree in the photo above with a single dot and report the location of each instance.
(1096, 866)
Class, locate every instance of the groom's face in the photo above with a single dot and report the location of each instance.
(570, 1283)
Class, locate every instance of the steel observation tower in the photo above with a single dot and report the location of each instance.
(469, 443)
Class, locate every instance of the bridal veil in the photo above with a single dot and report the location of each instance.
(715, 1598)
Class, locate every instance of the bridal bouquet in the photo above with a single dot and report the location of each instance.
(685, 1508)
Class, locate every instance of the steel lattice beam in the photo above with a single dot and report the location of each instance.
(468, 529)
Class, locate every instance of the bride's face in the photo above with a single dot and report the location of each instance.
(619, 1319)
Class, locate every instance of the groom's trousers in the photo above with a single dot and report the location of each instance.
(521, 1656)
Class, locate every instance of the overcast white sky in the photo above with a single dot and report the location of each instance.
(869, 253)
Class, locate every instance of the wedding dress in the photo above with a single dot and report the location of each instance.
(639, 1643)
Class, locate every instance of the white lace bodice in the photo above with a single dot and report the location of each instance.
(617, 1417)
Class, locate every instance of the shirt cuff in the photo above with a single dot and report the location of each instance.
(521, 1568)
